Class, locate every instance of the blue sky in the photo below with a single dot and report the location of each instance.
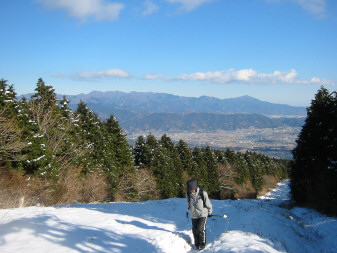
(279, 51)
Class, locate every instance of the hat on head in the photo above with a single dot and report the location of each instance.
(192, 185)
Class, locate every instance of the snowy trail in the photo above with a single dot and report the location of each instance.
(261, 225)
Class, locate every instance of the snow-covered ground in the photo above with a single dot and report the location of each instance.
(261, 225)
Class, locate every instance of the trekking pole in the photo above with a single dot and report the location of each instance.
(217, 215)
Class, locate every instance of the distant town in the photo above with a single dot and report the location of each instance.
(274, 142)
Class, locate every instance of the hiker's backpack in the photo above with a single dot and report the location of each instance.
(201, 193)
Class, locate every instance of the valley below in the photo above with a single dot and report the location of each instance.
(274, 142)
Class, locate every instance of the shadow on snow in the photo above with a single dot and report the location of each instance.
(77, 237)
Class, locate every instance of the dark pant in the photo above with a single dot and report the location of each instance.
(199, 231)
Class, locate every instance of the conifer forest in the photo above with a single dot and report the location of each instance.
(50, 154)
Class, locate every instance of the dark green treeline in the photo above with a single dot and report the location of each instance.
(42, 136)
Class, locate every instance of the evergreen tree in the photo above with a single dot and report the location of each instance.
(3, 93)
(230, 156)
(255, 170)
(151, 145)
(238, 161)
(212, 172)
(68, 150)
(177, 168)
(108, 150)
(44, 95)
(8, 102)
(52, 127)
(11, 143)
(139, 152)
(38, 157)
(186, 158)
(160, 166)
(65, 110)
(118, 142)
(314, 168)
(91, 136)
(167, 168)
(221, 157)
(38, 121)
(201, 172)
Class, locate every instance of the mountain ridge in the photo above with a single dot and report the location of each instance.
(151, 102)
(150, 111)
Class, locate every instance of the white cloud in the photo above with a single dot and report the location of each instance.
(150, 7)
(247, 76)
(229, 76)
(317, 7)
(244, 75)
(101, 10)
(189, 5)
(153, 77)
(98, 75)
(314, 6)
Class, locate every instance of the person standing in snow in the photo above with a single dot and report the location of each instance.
(200, 208)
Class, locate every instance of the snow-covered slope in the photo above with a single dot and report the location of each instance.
(262, 225)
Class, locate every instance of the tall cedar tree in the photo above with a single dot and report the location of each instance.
(255, 170)
(11, 142)
(118, 142)
(151, 145)
(201, 172)
(240, 165)
(8, 101)
(91, 132)
(314, 168)
(108, 149)
(186, 158)
(68, 148)
(143, 151)
(213, 182)
(139, 152)
(167, 168)
(39, 120)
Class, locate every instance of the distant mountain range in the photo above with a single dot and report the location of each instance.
(147, 111)
(148, 102)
